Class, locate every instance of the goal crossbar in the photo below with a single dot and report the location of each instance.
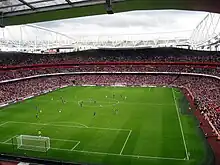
(34, 143)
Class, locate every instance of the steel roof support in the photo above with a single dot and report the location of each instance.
(69, 2)
(27, 4)
(21, 4)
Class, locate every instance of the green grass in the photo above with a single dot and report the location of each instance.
(146, 129)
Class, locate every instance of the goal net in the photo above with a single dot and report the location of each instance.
(33, 143)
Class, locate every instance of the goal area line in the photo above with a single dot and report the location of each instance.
(53, 139)
(110, 154)
(73, 149)
(97, 153)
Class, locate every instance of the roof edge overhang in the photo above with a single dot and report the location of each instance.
(98, 7)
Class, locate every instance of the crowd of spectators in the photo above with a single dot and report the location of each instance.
(12, 74)
(14, 90)
(137, 55)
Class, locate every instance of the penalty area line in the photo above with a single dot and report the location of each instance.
(112, 154)
(4, 123)
(125, 142)
(70, 123)
(10, 139)
(70, 126)
(75, 146)
(132, 156)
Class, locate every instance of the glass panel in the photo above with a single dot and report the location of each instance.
(29, 1)
(49, 3)
(78, 0)
(11, 9)
(9, 3)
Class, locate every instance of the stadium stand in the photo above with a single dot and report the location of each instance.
(8, 163)
(205, 90)
(133, 55)
(18, 73)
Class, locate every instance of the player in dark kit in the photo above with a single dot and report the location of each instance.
(63, 101)
(81, 103)
(37, 109)
(116, 111)
(94, 114)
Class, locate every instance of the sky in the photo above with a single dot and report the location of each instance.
(134, 24)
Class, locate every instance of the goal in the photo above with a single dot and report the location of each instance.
(33, 143)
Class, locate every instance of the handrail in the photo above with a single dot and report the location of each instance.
(204, 64)
(77, 73)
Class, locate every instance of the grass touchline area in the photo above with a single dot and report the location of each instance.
(180, 122)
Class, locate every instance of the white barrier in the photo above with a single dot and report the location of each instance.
(78, 73)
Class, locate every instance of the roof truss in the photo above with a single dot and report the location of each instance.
(78, 8)
(27, 4)
(37, 6)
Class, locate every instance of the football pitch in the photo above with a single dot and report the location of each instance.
(106, 125)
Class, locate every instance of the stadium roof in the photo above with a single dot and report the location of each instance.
(30, 11)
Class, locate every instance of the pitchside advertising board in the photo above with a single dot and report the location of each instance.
(55, 51)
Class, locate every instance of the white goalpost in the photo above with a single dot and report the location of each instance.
(33, 143)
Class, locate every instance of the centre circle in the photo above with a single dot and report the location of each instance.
(98, 103)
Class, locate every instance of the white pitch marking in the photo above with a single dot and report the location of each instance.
(143, 103)
(64, 140)
(125, 142)
(134, 156)
(110, 129)
(55, 125)
(75, 146)
(59, 149)
(4, 123)
(9, 139)
(112, 154)
(121, 102)
(102, 102)
(70, 123)
(181, 127)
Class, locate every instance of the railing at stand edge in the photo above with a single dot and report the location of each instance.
(49, 65)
